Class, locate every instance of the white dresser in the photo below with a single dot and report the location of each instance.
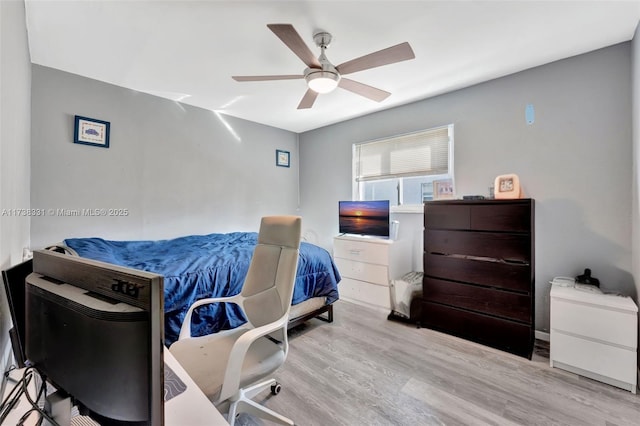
(595, 335)
(367, 264)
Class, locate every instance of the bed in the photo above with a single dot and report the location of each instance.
(214, 265)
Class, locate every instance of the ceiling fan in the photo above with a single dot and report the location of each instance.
(322, 76)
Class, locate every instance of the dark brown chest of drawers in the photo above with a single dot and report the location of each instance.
(479, 271)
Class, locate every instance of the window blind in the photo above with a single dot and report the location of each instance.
(415, 154)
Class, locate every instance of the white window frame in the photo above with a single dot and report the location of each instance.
(358, 190)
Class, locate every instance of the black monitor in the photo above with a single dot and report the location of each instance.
(96, 332)
(14, 281)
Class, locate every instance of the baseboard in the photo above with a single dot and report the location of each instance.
(368, 305)
(542, 335)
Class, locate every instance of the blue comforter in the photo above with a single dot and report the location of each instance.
(214, 265)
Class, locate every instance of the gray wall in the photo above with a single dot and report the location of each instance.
(15, 86)
(177, 169)
(575, 161)
(635, 221)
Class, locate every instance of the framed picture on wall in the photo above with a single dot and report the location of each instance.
(283, 158)
(89, 131)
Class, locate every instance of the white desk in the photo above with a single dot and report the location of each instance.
(190, 408)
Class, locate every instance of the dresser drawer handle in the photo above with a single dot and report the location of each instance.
(355, 252)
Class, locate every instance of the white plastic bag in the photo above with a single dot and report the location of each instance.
(403, 291)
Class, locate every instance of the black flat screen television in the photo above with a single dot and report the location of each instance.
(96, 331)
(369, 218)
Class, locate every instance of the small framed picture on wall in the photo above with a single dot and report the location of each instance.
(283, 158)
(89, 131)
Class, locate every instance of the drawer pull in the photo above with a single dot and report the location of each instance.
(516, 262)
(355, 252)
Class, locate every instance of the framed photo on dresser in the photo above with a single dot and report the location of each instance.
(443, 189)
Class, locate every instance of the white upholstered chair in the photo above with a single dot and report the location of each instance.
(233, 366)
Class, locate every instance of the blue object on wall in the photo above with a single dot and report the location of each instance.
(529, 114)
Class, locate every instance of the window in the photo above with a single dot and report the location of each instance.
(402, 168)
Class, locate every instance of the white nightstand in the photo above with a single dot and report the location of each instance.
(367, 265)
(595, 335)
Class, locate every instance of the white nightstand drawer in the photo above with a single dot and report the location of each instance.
(597, 322)
(360, 291)
(363, 251)
(378, 274)
(593, 357)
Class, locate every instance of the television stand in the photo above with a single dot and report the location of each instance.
(367, 265)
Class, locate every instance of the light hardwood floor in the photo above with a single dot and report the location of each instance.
(365, 370)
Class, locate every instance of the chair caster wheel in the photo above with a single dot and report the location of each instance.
(276, 388)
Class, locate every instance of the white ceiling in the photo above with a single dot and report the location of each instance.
(188, 51)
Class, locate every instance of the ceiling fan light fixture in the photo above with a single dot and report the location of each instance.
(322, 81)
(321, 75)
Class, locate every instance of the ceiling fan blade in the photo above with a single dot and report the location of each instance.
(363, 90)
(292, 39)
(266, 77)
(390, 55)
(308, 99)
